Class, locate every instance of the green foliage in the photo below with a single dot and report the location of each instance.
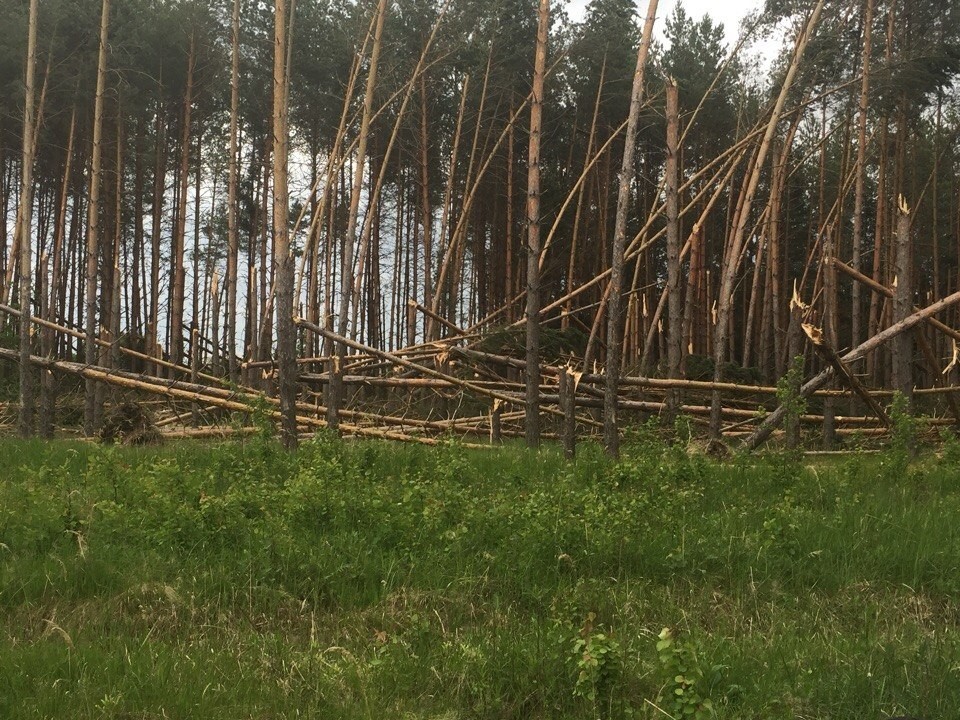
(701, 367)
(790, 399)
(684, 693)
(351, 579)
(904, 427)
(554, 343)
(598, 658)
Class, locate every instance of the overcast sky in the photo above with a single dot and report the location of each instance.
(728, 12)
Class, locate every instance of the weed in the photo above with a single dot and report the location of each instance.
(350, 580)
(790, 399)
(684, 693)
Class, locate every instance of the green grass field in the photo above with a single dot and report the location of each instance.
(365, 580)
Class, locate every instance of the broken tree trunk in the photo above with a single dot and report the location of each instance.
(758, 437)
(902, 345)
(841, 371)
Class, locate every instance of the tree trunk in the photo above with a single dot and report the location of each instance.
(856, 318)
(179, 236)
(674, 297)
(286, 330)
(233, 246)
(611, 429)
(27, 409)
(335, 387)
(532, 423)
(733, 253)
(902, 345)
(91, 414)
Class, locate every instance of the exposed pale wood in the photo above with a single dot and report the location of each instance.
(776, 417)
(843, 372)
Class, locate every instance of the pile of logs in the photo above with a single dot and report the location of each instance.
(450, 388)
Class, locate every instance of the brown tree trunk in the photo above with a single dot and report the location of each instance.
(532, 421)
(286, 330)
(47, 385)
(426, 211)
(335, 387)
(674, 297)
(902, 346)
(233, 246)
(178, 268)
(91, 414)
(611, 429)
(856, 321)
(27, 406)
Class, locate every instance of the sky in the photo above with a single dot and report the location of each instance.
(728, 12)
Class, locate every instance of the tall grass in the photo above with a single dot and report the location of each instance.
(366, 580)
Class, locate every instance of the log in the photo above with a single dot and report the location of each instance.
(106, 344)
(175, 389)
(887, 292)
(776, 417)
(843, 372)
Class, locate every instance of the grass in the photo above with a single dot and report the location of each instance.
(365, 580)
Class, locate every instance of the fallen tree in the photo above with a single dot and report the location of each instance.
(760, 435)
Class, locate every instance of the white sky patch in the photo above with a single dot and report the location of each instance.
(728, 12)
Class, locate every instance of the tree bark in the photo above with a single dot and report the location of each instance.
(178, 269)
(233, 246)
(611, 428)
(902, 345)
(335, 389)
(674, 297)
(91, 414)
(286, 329)
(27, 405)
(532, 408)
(776, 417)
(856, 317)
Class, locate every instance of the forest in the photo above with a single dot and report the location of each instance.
(312, 203)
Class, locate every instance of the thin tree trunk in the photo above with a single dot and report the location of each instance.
(47, 385)
(91, 415)
(286, 330)
(508, 282)
(902, 346)
(159, 185)
(611, 429)
(856, 317)
(233, 245)
(27, 408)
(426, 212)
(733, 253)
(532, 423)
(335, 387)
(179, 235)
(674, 298)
